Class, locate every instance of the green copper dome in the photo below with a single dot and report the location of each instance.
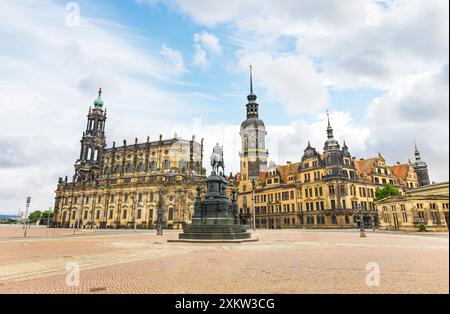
(98, 103)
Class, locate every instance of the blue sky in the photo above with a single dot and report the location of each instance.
(181, 66)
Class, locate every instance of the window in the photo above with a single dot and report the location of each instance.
(334, 220)
(125, 198)
(166, 164)
(85, 214)
(117, 169)
(141, 167)
(153, 166)
(170, 213)
(124, 214)
(97, 215)
(405, 217)
(140, 197)
(152, 196)
(139, 213)
(129, 168)
(111, 214)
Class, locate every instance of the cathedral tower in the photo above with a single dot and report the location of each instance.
(93, 142)
(421, 168)
(253, 133)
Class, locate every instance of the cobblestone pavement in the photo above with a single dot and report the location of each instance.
(283, 261)
(17, 231)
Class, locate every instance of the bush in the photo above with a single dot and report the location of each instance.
(422, 228)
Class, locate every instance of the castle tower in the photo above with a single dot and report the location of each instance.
(421, 168)
(253, 133)
(331, 149)
(93, 142)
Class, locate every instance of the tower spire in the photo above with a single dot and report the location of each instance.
(252, 106)
(251, 80)
(416, 151)
(329, 128)
(98, 103)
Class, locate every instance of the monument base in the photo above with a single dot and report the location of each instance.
(214, 241)
(215, 218)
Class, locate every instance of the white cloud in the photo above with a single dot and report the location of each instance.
(289, 80)
(205, 45)
(176, 60)
(415, 108)
(49, 75)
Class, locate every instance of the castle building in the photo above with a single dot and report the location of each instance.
(331, 189)
(118, 187)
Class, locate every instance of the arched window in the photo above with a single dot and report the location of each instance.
(107, 170)
(153, 166)
(141, 167)
(129, 168)
(117, 169)
(166, 164)
(334, 220)
(170, 213)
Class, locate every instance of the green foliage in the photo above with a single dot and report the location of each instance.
(388, 190)
(422, 227)
(34, 216)
(47, 214)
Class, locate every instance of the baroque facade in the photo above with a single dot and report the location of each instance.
(119, 186)
(426, 205)
(331, 189)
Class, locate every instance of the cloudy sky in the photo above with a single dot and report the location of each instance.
(181, 66)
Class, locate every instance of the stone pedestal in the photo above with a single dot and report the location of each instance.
(215, 217)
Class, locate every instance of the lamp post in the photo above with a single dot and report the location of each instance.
(26, 216)
(135, 211)
(361, 222)
(253, 204)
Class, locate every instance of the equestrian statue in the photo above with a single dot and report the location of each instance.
(217, 159)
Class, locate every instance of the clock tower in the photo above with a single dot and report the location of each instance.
(253, 155)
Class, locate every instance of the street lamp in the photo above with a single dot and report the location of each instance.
(253, 204)
(361, 222)
(135, 210)
(26, 216)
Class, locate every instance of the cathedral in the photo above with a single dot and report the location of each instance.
(119, 186)
(328, 189)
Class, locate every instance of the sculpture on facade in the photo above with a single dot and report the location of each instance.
(160, 214)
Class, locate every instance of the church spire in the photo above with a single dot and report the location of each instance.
(252, 106)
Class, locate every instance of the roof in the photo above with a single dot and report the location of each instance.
(365, 166)
(435, 188)
(400, 170)
(286, 170)
(400, 198)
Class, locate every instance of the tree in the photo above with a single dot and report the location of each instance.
(34, 216)
(386, 191)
